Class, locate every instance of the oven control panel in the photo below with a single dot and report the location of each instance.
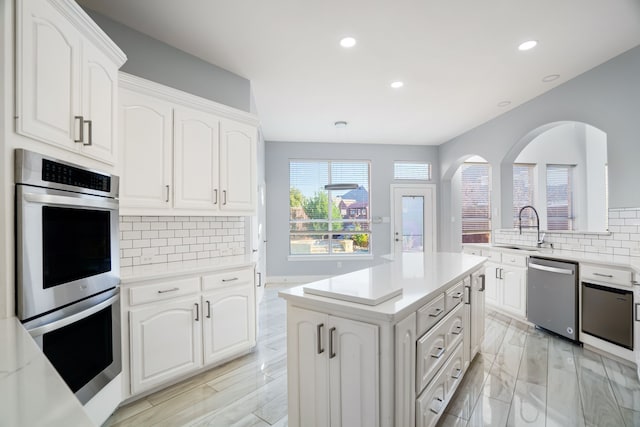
(69, 175)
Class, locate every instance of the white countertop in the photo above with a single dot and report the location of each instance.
(174, 269)
(31, 391)
(420, 276)
(629, 262)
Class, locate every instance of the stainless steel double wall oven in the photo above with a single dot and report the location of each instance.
(67, 268)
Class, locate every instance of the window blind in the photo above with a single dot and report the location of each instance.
(476, 206)
(412, 171)
(560, 197)
(523, 193)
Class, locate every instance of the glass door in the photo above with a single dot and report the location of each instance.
(413, 219)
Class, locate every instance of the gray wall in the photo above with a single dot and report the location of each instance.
(277, 175)
(607, 97)
(157, 61)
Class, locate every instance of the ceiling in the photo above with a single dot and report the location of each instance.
(458, 59)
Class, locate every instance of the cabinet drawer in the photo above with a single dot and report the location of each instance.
(514, 259)
(429, 314)
(453, 370)
(455, 328)
(431, 403)
(431, 354)
(495, 256)
(227, 278)
(453, 296)
(606, 274)
(163, 290)
(472, 251)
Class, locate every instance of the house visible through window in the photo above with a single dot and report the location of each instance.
(523, 193)
(560, 214)
(325, 221)
(476, 202)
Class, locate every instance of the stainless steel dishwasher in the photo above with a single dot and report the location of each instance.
(552, 296)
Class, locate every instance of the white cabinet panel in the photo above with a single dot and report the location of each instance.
(166, 341)
(238, 166)
(478, 290)
(405, 370)
(514, 291)
(145, 136)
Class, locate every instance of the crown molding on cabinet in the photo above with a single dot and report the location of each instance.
(148, 87)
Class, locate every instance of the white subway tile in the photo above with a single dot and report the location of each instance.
(126, 226)
(159, 242)
(613, 244)
(621, 236)
(126, 244)
(126, 262)
(131, 235)
(162, 225)
(165, 234)
(196, 233)
(163, 250)
(149, 252)
(174, 257)
(628, 214)
(141, 243)
(129, 253)
(203, 255)
(181, 233)
(195, 248)
(182, 249)
(151, 234)
(130, 218)
(202, 240)
(629, 229)
(613, 214)
(141, 226)
(174, 225)
(621, 251)
(188, 240)
(188, 256)
(189, 225)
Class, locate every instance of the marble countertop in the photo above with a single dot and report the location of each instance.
(629, 262)
(420, 276)
(31, 391)
(141, 273)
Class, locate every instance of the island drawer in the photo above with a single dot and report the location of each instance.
(454, 369)
(429, 314)
(163, 290)
(495, 256)
(606, 274)
(514, 259)
(227, 278)
(453, 296)
(435, 346)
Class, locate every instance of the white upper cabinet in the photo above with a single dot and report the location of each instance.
(66, 78)
(184, 155)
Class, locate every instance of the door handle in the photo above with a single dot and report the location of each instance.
(637, 312)
(319, 332)
(81, 139)
(259, 279)
(483, 280)
(215, 196)
(468, 297)
(208, 309)
(90, 138)
(224, 197)
(197, 312)
(332, 353)
(167, 189)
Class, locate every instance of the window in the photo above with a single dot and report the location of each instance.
(324, 221)
(523, 193)
(418, 171)
(560, 197)
(476, 206)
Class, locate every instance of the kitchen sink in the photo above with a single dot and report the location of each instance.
(518, 248)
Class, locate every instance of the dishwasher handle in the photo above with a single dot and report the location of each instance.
(551, 269)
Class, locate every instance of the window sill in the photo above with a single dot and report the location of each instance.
(330, 257)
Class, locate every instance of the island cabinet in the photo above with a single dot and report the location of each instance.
(182, 155)
(181, 325)
(66, 79)
(393, 364)
(506, 282)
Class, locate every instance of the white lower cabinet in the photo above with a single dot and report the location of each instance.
(477, 302)
(166, 341)
(506, 286)
(332, 370)
(182, 325)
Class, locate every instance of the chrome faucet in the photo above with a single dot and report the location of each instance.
(539, 241)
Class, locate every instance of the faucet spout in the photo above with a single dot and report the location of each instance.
(537, 226)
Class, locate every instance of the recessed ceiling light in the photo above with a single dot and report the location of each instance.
(348, 42)
(550, 78)
(397, 85)
(340, 124)
(504, 103)
(528, 45)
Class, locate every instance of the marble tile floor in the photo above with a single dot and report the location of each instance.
(523, 376)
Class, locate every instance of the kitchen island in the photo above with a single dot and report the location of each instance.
(386, 345)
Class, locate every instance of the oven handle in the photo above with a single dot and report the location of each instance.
(57, 324)
(71, 201)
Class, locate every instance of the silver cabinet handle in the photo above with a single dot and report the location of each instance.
(90, 139)
(438, 311)
(332, 353)
(319, 331)
(439, 354)
(457, 330)
(497, 273)
(468, 297)
(610, 276)
(230, 280)
(81, 139)
(457, 296)
(483, 280)
(164, 291)
(208, 309)
(551, 269)
(439, 407)
(457, 374)
(259, 279)
(637, 312)
(167, 193)
(197, 312)
(215, 196)
(501, 271)
(224, 197)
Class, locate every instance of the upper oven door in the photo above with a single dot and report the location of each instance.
(67, 248)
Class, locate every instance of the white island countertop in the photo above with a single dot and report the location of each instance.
(31, 391)
(419, 276)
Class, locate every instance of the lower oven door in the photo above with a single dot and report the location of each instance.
(82, 342)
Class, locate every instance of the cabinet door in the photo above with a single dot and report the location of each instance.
(307, 368)
(353, 373)
(48, 74)
(514, 290)
(229, 322)
(478, 290)
(196, 160)
(405, 368)
(492, 282)
(238, 166)
(166, 341)
(100, 105)
(145, 151)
